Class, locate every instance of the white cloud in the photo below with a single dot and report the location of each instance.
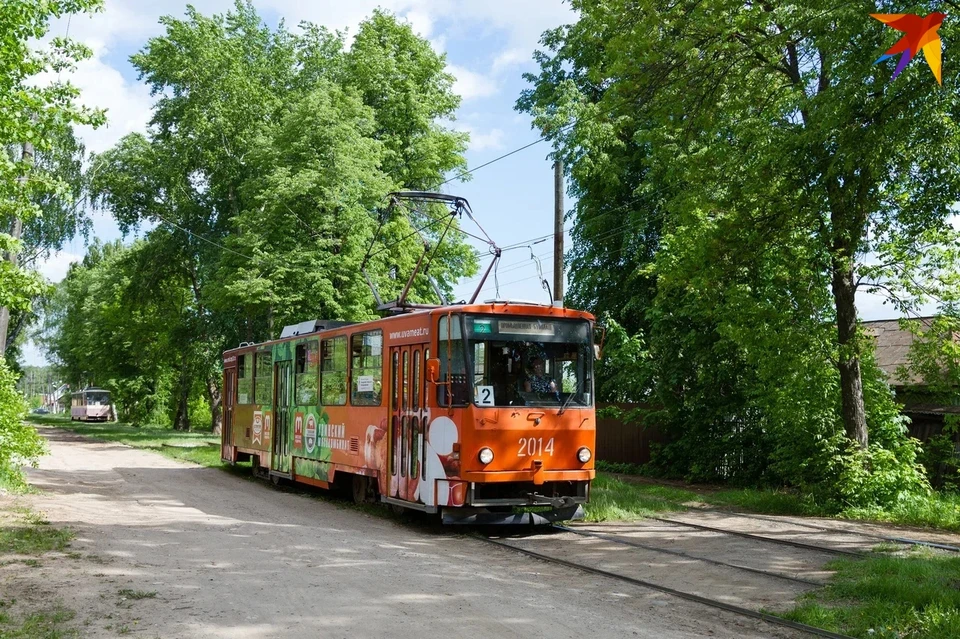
(55, 267)
(421, 22)
(491, 140)
(128, 105)
(471, 85)
(510, 58)
(483, 141)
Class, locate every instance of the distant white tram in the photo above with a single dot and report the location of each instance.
(91, 405)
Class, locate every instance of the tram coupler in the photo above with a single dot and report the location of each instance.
(536, 499)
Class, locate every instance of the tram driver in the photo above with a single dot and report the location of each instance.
(537, 381)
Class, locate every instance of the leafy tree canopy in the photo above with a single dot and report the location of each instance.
(746, 168)
(267, 154)
(35, 118)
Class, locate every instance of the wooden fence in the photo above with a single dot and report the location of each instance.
(625, 441)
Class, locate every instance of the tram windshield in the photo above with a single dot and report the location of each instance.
(98, 398)
(528, 361)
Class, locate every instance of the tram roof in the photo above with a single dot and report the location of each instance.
(506, 307)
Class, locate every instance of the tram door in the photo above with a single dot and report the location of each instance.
(407, 423)
(229, 394)
(282, 415)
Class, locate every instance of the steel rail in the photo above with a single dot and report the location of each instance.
(706, 601)
(677, 553)
(840, 531)
(773, 540)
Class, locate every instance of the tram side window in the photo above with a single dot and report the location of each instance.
(306, 374)
(263, 389)
(245, 379)
(366, 368)
(333, 372)
(453, 367)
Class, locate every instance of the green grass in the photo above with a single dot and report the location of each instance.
(771, 502)
(45, 624)
(26, 533)
(938, 510)
(613, 499)
(201, 447)
(911, 597)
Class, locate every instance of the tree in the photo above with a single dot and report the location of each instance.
(766, 129)
(410, 91)
(266, 155)
(117, 321)
(33, 118)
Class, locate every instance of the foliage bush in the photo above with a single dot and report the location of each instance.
(19, 443)
(939, 458)
(199, 412)
(745, 416)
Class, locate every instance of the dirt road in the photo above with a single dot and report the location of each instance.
(167, 549)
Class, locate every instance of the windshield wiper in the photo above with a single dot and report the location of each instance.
(569, 397)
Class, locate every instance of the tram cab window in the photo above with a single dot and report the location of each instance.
(245, 379)
(333, 371)
(366, 368)
(306, 368)
(453, 364)
(263, 387)
(98, 398)
(520, 361)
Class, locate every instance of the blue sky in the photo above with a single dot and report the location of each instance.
(488, 44)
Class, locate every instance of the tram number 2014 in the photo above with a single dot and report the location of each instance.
(535, 446)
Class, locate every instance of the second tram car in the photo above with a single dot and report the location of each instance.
(482, 412)
(91, 405)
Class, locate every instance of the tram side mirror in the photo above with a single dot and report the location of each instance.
(599, 330)
(433, 370)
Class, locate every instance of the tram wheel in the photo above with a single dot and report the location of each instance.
(276, 480)
(360, 489)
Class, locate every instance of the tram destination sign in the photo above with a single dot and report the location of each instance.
(541, 329)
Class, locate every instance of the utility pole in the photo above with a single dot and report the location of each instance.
(558, 233)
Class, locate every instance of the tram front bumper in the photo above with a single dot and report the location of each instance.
(483, 517)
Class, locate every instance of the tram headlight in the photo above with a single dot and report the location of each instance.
(584, 455)
(486, 456)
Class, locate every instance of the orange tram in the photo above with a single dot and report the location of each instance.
(480, 412)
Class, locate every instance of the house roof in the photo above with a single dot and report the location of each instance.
(893, 347)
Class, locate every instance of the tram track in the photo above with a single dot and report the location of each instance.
(837, 531)
(840, 531)
(677, 553)
(764, 538)
(643, 583)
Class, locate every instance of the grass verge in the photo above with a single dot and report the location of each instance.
(916, 596)
(199, 447)
(614, 499)
(24, 532)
